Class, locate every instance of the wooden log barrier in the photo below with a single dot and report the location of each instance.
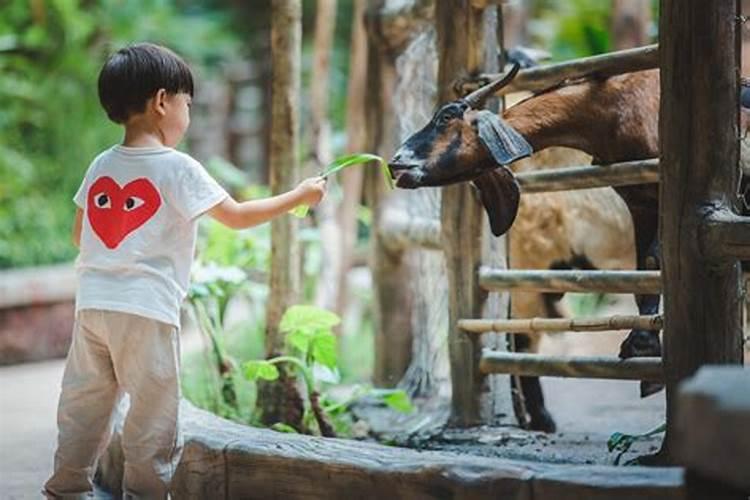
(544, 325)
(550, 75)
(643, 282)
(590, 176)
(575, 366)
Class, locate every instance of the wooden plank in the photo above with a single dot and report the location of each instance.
(223, 459)
(698, 134)
(712, 424)
(545, 325)
(727, 235)
(590, 176)
(37, 285)
(544, 77)
(575, 366)
(571, 281)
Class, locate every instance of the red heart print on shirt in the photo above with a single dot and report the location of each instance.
(115, 212)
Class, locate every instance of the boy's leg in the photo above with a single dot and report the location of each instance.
(88, 395)
(146, 359)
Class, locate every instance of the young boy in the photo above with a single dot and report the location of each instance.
(135, 225)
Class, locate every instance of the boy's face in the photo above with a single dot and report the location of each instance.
(176, 118)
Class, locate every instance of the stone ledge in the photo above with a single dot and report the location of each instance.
(223, 459)
(713, 424)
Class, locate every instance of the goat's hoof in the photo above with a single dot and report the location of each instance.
(649, 388)
(543, 422)
(640, 344)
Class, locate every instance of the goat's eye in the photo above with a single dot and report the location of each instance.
(444, 119)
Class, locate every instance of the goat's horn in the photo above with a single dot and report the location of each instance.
(477, 98)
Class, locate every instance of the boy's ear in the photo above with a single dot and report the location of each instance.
(159, 102)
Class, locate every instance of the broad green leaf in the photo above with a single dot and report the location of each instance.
(255, 370)
(324, 349)
(399, 401)
(282, 427)
(300, 339)
(309, 318)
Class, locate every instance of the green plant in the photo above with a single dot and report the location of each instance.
(343, 162)
(311, 352)
(621, 443)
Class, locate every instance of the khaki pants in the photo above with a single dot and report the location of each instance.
(115, 353)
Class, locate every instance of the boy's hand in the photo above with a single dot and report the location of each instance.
(311, 190)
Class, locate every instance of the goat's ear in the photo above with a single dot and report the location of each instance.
(500, 194)
(503, 142)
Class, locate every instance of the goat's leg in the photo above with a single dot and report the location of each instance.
(642, 343)
(531, 388)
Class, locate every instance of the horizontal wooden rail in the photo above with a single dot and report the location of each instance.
(726, 235)
(538, 365)
(37, 285)
(543, 325)
(590, 176)
(550, 75)
(642, 282)
(400, 230)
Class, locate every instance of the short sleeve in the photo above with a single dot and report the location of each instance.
(195, 191)
(80, 196)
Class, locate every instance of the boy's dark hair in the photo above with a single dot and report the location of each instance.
(135, 73)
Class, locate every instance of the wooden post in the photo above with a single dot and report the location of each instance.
(463, 36)
(286, 37)
(699, 143)
(392, 298)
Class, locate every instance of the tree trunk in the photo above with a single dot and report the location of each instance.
(351, 179)
(330, 233)
(286, 34)
(698, 131)
(631, 20)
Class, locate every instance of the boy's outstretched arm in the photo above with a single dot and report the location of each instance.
(76, 233)
(239, 215)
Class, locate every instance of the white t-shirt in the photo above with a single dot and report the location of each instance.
(139, 228)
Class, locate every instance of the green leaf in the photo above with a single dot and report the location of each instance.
(300, 339)
(308, 318)
(265, 370)
(324, 348)
(300, 211)
(282, 427)
(399, 401)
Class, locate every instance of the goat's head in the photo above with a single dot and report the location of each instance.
(464, 143)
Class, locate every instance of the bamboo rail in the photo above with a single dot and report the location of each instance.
(641, 282)
(550, 75)
(543, 325)
(590, 176)
(538, 365)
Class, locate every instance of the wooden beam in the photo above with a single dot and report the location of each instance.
(538, 365)
(726, 235)
(544, 77)
(399, 231)
(590, 176)
(546, 325)
(698, 134)
(642, 282)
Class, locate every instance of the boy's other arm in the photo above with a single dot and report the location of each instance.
(76, 233)
(240, 215)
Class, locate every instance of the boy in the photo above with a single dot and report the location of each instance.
(135, 226)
